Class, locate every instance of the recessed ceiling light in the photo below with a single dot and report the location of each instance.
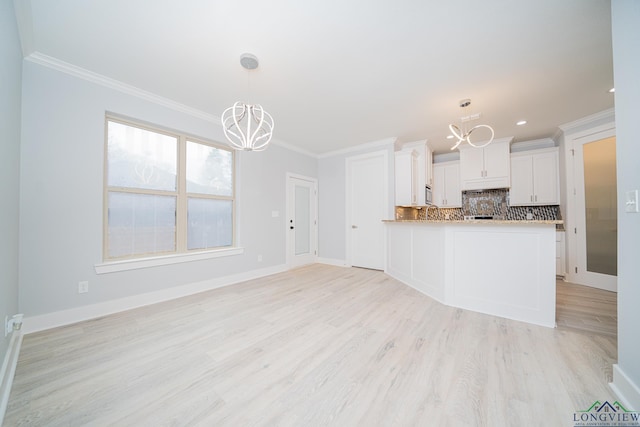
(521, 122)
(613, 89)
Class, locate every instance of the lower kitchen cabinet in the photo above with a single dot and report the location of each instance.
(560, 254)
(502, 268)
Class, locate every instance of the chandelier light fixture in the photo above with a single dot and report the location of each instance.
(463, 133)
(247, 126)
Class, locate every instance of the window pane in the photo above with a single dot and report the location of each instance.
(302, 197)
(141, 224)
(209, 170)
(210, 223)
(601, 210)
(139, 158)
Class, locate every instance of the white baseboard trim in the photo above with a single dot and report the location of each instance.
(74, 315)
(332, 261)
(625, 389)
(8, 371)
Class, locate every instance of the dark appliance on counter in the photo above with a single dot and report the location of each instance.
(428, 195)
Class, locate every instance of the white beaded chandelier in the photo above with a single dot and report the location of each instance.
(247, 126)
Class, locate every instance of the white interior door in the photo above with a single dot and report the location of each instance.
(302, 223)
(367, 205)
(596, 210)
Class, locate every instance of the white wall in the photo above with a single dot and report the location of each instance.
(10, 86)
(332, 198)
(626, 63)
(62, 189)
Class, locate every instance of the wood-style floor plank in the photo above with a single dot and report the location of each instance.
(586, 308)
(319, 345)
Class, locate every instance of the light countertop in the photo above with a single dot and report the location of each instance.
(476, 221)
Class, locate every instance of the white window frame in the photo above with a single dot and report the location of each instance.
(181, 253)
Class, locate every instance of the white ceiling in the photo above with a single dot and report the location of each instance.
(338, 73)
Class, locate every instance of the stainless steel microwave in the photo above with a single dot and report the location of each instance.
(428, 195)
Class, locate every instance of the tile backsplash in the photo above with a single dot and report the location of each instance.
(486, 202)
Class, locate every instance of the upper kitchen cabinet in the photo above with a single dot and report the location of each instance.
(446, 185)
(407, 188)
(485, 168)
(534, 178)
(421, 173)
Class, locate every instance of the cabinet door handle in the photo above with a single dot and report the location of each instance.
(536, 198)
(354, 226)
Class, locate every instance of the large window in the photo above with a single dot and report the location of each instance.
(165, 193)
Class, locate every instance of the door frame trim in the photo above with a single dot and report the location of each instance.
(571, 221)
(289, 207)
(384, 154)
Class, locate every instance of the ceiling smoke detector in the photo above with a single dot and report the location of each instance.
(249, 61)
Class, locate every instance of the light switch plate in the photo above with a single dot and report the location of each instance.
(631, 203)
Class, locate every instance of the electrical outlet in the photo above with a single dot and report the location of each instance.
(83, 287)
(259, 258)
(13, 324)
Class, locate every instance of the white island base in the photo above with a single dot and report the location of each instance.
(503, 268)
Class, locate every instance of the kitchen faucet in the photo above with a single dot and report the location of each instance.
(426, 214)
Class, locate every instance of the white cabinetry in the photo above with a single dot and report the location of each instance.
(485, 168)
(446, 185)
(504, 269)
(428, 166)
(422, 172)
(560, 269)
(406, 178)
(534, 178)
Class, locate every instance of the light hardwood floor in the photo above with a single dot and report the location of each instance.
(586, 309)
(320, 345)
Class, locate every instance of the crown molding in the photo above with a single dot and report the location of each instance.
(532, 144)
(290, 147)
(557, 136)
(608, 114)
(73, 70)
(508, 140)
(22, 10)
(361, 147)
(451, 156)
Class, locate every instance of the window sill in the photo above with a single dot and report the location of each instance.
(133, 264)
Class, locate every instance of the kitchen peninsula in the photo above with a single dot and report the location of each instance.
(504, 268)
